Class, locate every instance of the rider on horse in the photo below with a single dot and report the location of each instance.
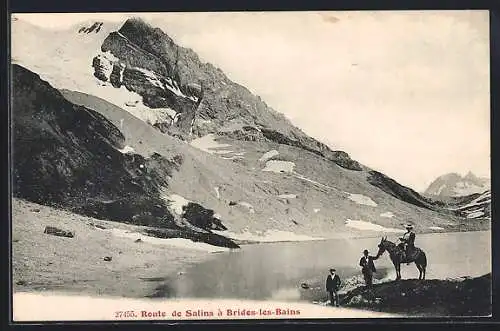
(408, 240)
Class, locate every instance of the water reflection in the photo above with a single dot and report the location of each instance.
(276, 270)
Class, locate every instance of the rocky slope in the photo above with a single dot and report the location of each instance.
(474, 206)
(218, 153)
(454, 185)
(73, 157)
(317, 197)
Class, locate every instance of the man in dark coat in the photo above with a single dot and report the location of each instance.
(332, 287)
(408, 241)
(367, 267)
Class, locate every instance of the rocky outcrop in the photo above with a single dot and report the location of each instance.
(123, 63)
(208, 237)
(465, 297)
(52, 230)
(245, 133)
(339, 157)
(95, 27)
(202, 217)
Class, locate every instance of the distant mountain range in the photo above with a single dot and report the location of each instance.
(454, 185)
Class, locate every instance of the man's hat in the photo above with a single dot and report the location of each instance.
(365, 251)
(409, 226)
(332, 270)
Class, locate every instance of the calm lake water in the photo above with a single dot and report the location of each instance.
(276, 270)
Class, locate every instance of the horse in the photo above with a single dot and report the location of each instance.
(397, 255)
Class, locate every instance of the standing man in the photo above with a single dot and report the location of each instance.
(367, 267)
(332, 287)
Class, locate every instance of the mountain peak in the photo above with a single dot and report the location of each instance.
(470, 176)
(94, 27)
(453, 184)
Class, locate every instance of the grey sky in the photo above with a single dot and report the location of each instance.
(406, 93)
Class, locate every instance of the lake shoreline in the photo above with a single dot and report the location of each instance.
(136, 268)
(96, 261)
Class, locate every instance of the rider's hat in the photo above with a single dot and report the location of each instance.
(409, 226)
(365, 251)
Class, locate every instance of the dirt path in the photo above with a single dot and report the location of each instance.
(43, 262)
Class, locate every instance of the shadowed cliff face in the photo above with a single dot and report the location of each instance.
(390, 186)
(147, 61)
(69, 156)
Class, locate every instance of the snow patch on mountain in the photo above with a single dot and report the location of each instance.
(170, 84)
(475, 214)
(127, 149)
(464, 188)
(279, 166)
(177, 203)
(208, 144)
(479, 207)
(269, 155)
(271, 235)
(436, 228)
(387, 214)
(479, 201)
(361, 199)
(309, 180)
(217, 192)
(440, 189)
(368, 226)
(248, 206)
(287, 196)
(66, 63)
(174, 242)
(234, 157)
(223, 151)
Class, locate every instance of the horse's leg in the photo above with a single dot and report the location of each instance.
(398, 271)
(419, 267)
(423, 263)
(395, 268)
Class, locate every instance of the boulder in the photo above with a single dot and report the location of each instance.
(58, 232)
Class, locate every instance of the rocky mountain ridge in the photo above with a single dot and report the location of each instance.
(216, 159)
(171, 77)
